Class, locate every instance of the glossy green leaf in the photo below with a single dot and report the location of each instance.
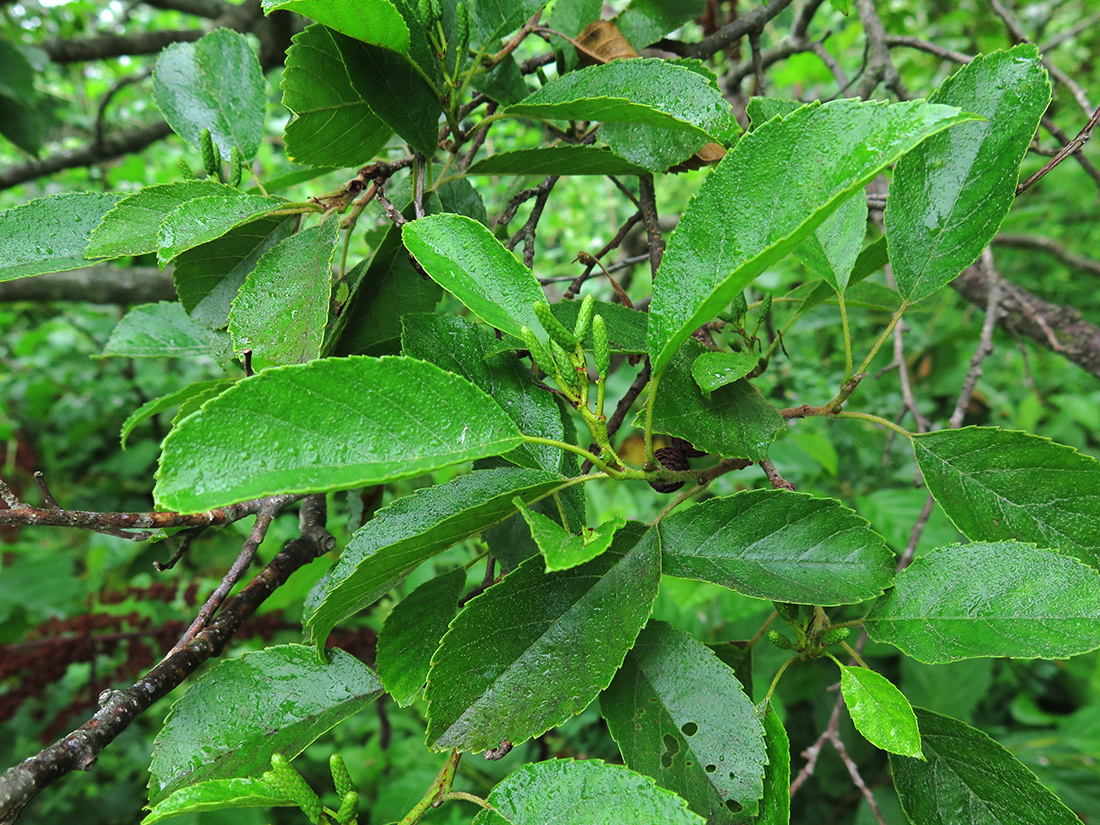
(679, 714)
(50, 234)
(281, 311)
(217, 795)
(990, 599)
(22, 119)
(644, 22)
(556, 160)
(778, 545)
(880, 711)
(712, 370)
(499, 672)
(775, 805)
(328, 425)
(998, 484)
(164, 330)
(412, 632)
(969, 779)
(831, 251)
(275, 700)
(208, 277)
(167, 402)
(655, 148)
(733, 420)
(650, 91)
(395, 91)
(948, 198)
(562, 549)
(131, 227)
(767, 195)
(372, 21)
(200, 220)
(463, 348)
(412, 530)
(332, 125)
(464, 258)
(215, 83)
(568, 792)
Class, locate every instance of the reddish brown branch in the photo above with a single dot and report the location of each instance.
(80, 749)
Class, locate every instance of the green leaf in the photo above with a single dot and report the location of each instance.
(464, 258)
(215, 83)
(644, 22)
(568, 792)
(998, 484)
(328, 425)
(655, 148)
(712, 370)
(733, 420)
(208, 277)
(395, 91)
(649, 91)
(556, 160)
(767, 195)
(217, 795)
(679, 714)
(50, 234)
(563, 550)
(200, 220)
(167, 402)
(461, 347)
(830, 253)
(131, 227)
(778, 545)
(948, 198)
(164, 330)
(880, 711)
(412, 632)
(281, 311)
(968, 779)
(499, 672)
(990, 599)
(372, 21)
(332, 124)
(21, 105)
(775, 805)
(276, 700)
(412, 530)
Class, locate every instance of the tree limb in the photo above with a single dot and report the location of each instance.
(114, 147)
(81, 748)
(753, 21)
(100, 284)
(1060, 329)
(200, 8)
(80, 49)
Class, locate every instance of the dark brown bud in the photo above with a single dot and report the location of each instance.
(670, 458)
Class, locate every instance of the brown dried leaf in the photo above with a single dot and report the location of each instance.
(601, 42)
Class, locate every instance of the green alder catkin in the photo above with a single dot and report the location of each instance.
(291, 783)
(211, 155)
(538, 352)
(601, 349)
(236, 163)
(349, 808)
(779, 640)
(834, 635)
(341, 779)
(584, 317)
(554, 328)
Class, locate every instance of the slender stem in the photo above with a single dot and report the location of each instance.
(877, 420)
(763, 628)
(438, 790)
(854, 655)
(847, 337)
(882, 338)
(775, 681)
(573, 448)
(649, 404)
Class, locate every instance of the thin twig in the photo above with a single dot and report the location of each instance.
(647, 203)
(1071, 148)
(47, 496)
(623, 407)
(985, 343)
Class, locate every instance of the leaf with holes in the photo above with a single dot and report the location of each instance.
(679, 714)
